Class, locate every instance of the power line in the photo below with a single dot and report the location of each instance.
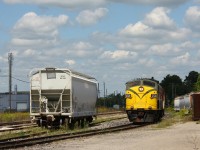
(20, 80)
(15, 78)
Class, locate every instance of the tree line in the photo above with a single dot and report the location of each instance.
(172, 84)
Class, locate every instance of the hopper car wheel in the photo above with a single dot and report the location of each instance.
(82, 123)
(72, 124)
(61, 122)
(42, 123)
(38, 123)
(65, 122)
(89, 119)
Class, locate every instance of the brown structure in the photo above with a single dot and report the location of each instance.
(195, 103)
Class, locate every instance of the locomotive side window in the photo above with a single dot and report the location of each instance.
(149, 83)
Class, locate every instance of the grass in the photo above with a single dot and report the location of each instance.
(171, 117)
(11, 117)
(19, 116)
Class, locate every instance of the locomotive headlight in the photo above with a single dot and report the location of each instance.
(141, 89)
(153, 96)
(128, 96)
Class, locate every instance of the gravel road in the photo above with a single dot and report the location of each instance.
(183, 136)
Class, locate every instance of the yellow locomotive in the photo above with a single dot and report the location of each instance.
(145, 100)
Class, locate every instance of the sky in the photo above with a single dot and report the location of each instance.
(112, 40)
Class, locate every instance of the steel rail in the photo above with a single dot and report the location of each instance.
(52, 138)
(16, 127)
(15, 122)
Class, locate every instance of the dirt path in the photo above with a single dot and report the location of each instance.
(185, 136)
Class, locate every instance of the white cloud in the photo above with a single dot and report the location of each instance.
(192, 18)
(32, 29)
(29, 53)
(118, 54)
(88, 17)
(157, 27)
(181, 60)
(81, 49)
(138, 29)
(158, 18)
(70, 62)
(3, 59)
(82, 45)
(148, 62)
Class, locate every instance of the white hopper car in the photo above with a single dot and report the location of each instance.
(182, 102)
(62, 96)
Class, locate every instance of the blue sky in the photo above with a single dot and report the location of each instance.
(113, 40)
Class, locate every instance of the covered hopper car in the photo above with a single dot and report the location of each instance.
(182, 102)
(62, 96)
(145, 100)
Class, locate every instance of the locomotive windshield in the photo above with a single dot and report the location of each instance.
(132, 83)
(149, 83)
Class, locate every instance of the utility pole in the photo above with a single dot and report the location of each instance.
(104, 89)
(10, 59)
(104, 92)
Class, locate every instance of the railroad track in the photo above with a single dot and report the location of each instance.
(15, 122)
(47, 139)
(16, 127)
(111, 113)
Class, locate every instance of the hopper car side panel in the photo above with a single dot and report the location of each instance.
(84, 95)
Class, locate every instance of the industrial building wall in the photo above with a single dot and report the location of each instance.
(19, 102)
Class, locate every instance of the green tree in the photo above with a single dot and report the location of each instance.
(111, 100)
(197, 84)
(190, 81)
(173, 87)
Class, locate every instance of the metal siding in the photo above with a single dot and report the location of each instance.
(195, 106)
(15, 98)
(21, 106)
